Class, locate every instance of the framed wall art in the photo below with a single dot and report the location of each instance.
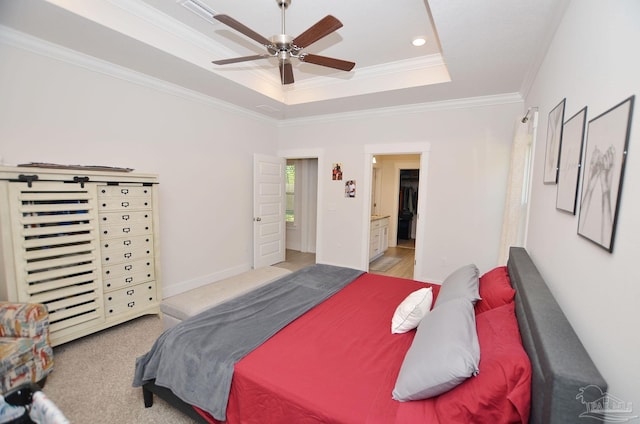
(350, 188)
(554, 139)
(571, 161)
(605, 157)
(336, 172)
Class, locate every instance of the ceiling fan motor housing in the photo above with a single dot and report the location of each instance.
(282, 41)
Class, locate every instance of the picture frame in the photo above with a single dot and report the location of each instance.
(350, 189)
(571, 161)
(554, 140)
(336, 172)
(605, 159)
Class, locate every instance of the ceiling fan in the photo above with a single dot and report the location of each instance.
(284, 47)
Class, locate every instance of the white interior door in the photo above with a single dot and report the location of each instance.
(268, 210)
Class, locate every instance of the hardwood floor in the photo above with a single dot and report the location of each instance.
(404, 268)
(295, 260)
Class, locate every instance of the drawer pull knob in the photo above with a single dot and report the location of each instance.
(125, 217)
(127, 255)
(127, 242)
(128, 267)
(130, 292)
(126, 230)
(131, 304)
(128, 279)
(124, 191)
(125, 204)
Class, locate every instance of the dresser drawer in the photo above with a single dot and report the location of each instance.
(128, 229)
(129, 299)
(122, 191)
(119, 203)
(124, 217)
(126, 248)
(127, 273)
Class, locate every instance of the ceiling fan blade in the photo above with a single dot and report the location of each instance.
(322, 28)
(241, 59)
(230, 22)
(330, 62)
(286, 72)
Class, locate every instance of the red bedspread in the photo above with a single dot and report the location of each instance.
(338, 363)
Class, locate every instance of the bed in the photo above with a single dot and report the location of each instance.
(339, 363)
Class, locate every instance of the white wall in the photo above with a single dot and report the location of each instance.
(59, 112)
(466, 181)
(593, 61)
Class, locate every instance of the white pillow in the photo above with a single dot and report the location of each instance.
(412, 309)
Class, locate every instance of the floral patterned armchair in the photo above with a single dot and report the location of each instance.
(26, 355)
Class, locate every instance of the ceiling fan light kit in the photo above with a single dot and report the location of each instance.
(284, 47)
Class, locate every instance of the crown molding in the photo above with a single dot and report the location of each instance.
(392, 68)
(23, 41)
(190, 36)
(464, 103)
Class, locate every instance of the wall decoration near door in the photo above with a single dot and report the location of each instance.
(554, 139)
(350, 188)
(336, 172)
(606, 152)
(570, 162)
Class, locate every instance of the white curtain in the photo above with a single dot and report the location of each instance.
(517, 197)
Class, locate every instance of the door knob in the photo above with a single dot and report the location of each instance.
(258, 219)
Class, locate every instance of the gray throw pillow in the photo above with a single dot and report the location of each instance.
(443, 354)
(463, 282)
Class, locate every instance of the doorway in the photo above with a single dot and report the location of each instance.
(301, 188)
(394, 194)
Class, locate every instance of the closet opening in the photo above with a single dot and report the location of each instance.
(407, 207)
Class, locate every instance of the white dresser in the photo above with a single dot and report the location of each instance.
(82, 242)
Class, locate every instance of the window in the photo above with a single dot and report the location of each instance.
(290, 176)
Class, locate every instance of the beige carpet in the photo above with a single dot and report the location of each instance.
(91, 382)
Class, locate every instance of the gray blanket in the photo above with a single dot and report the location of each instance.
(195, 359)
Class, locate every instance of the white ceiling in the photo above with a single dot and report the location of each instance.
(474, 48)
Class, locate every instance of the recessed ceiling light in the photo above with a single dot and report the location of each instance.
(418, 41)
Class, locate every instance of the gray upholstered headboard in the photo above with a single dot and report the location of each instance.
(560, 364)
